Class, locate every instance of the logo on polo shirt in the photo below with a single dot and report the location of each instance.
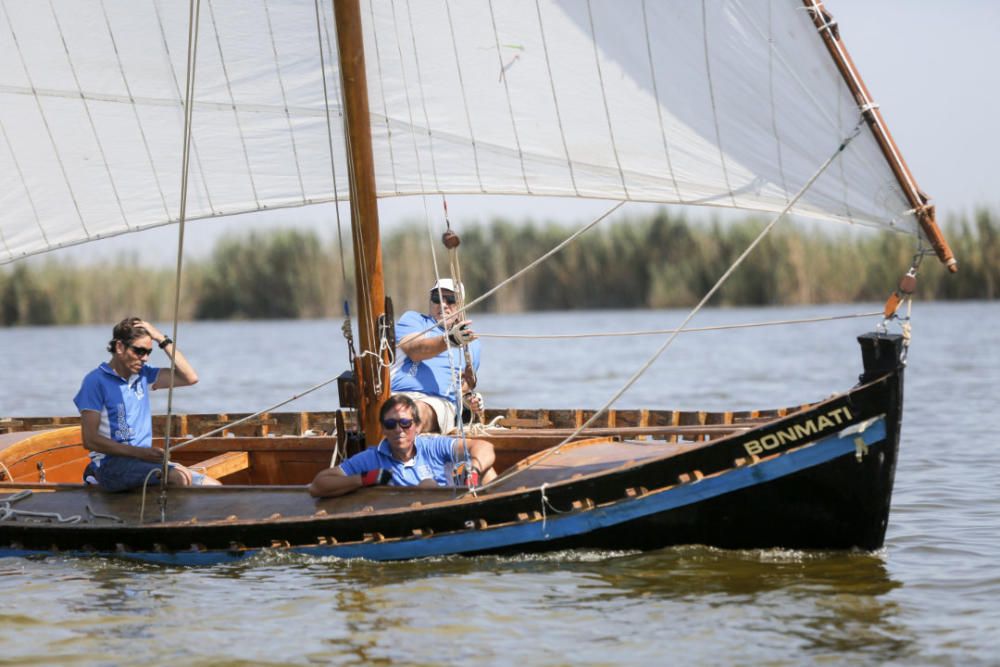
(123, 433)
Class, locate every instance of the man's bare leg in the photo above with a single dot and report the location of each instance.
(428, 418)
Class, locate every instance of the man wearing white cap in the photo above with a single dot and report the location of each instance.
(430, 365)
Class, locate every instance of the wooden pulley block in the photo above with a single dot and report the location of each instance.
(450, 240)
(907, 285)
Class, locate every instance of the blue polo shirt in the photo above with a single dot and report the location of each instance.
(430, 376)
(123, 405)
(434, 459)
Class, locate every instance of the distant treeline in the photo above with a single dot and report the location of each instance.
(660, 261)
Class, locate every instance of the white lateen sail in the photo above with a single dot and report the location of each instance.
(731, 103)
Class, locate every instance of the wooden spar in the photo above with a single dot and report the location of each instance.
(372, 375)
(918, 200)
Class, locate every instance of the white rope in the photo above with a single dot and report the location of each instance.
(482, 430)
(108, 517)
(145, 483)
(455, 375)
(192, 57)
(725, 276)
(655, 332)
(8, 512)
(906, 325)
(460, 312)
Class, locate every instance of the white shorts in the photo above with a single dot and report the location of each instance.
(443, 409)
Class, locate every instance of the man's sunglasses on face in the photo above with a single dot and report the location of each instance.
(450, 299)
(390, 424)
(141, 351)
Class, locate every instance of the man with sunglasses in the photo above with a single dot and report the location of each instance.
(406, 457)
(115, 418)
(430, 366)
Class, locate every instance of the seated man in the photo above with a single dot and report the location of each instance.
(115, 420)
(427, 368)
(405, 457)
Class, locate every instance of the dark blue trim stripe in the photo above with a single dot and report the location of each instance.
(554, 526)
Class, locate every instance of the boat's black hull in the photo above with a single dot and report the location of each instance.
(821, 478)
(835, 506)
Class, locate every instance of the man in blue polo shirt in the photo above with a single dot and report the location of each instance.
(431, 366)
(406, 458)
(115, 420)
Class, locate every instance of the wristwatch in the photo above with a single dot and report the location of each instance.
(166, 341)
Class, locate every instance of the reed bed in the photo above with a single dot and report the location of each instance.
(658, 261)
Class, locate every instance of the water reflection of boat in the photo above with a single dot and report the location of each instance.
(565, 99)
(832, 602)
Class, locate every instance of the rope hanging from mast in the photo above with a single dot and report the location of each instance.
(660, 332)
(452, 241)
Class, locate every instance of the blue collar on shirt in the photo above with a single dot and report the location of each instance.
(385, 449)
(106, 367)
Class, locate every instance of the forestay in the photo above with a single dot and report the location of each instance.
(729, 103)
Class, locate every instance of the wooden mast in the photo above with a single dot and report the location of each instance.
(918, 200)
(372, 376)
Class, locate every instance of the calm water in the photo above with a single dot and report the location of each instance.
(931, 596)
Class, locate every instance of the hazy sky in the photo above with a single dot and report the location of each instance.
(931, 65)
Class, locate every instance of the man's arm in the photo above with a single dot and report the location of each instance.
(480, 451)
(418, 347)
(90, 422)
(185, 373)
(335, 482)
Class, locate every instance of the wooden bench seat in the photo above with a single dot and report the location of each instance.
(223, 464)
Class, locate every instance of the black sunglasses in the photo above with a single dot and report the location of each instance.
(450, 299)
(141, 351)
(390, 424)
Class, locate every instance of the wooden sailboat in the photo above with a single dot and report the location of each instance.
(816, 475)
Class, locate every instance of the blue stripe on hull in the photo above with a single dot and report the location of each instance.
(554, 527)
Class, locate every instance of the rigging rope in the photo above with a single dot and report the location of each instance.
(461, 310)
(346, 326)
(654, 332)
(256, 414)
(562, 244)
(711, 292)
(452, 243)
(142, 503)
(456, 377)
(195, 10)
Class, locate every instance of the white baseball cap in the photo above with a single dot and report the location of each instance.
(449, 285)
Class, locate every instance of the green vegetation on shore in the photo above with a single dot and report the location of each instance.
(661, 261)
